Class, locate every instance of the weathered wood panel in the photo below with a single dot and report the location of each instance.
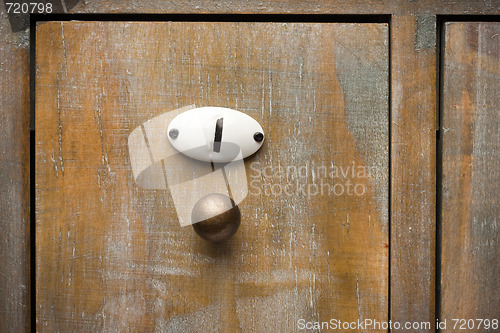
(413, 172)
(431, 7)
(112, 256)
(14, 182)
(13, 293)
(470, 280)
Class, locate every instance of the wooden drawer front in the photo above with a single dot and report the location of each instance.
(313, 243)
(470, 280)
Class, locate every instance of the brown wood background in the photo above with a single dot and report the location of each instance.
(413, 169)
(471, 171)
(111, 256)
(14, 182)
(409, 296)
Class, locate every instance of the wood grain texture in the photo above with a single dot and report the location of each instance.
(413, 161)
(14, 183)
(471, 169)
(111, 256)
(14, 65)
(429, 7)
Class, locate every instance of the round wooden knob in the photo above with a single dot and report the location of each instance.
(219, 217)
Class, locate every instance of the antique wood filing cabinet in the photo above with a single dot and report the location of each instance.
(373, 199)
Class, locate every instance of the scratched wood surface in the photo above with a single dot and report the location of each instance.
(471, 169)
(14, 313)
(410, 8)
(111, 256)
(14, 183)
(413, 172)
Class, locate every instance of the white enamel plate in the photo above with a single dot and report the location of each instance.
(215, 134)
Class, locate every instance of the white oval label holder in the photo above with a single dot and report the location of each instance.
(215, 134)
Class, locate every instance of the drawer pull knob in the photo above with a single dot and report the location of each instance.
(219, 217)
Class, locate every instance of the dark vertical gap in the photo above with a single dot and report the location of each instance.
(440, 40)
(32, 237)
(389, 204)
